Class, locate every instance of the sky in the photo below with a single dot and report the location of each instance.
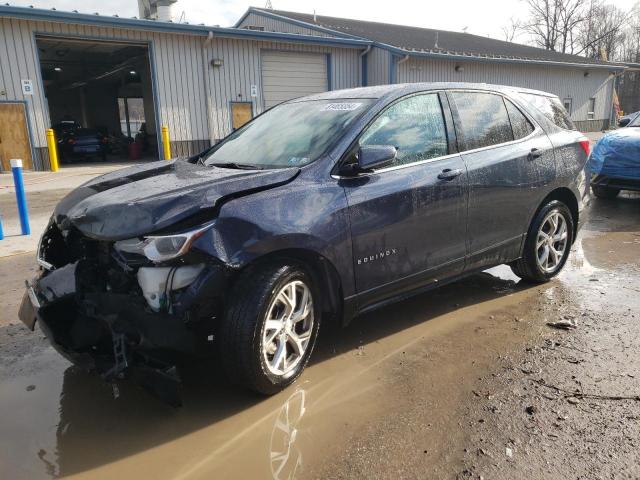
(481, 17)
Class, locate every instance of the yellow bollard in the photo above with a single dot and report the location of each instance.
(53, 149)
(166, 146)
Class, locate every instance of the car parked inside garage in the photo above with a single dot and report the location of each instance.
(321, 208)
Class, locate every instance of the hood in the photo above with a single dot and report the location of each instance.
(146, 198)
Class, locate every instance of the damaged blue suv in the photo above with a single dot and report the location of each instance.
(322, 207)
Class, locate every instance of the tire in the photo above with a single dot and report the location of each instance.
(605, 192)
(248, 358)
(530, 267)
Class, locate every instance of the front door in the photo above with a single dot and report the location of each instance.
(408, 220)
(14, 135)
(508, 160)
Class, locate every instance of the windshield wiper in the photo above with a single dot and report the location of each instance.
(238, 166)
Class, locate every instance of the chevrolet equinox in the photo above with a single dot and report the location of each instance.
(324, 206)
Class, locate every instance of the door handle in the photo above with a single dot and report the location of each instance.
(449, 174)
(533, 154)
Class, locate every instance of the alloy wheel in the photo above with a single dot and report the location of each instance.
(551, 242)
(288, 328)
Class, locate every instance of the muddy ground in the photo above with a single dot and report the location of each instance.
(468, 381)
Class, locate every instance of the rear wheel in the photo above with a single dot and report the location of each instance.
(270, 327)
(605, 192)
(547, 245)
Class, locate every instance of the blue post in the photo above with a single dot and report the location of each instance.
(1, 232)
(21, 198)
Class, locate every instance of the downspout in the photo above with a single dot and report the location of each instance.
(207, 83)
(394, 66)
(363, 63)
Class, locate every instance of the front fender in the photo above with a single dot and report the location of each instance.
(304, 215)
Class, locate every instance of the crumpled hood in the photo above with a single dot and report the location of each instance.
(139, 200)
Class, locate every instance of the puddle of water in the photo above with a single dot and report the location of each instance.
(71, 426)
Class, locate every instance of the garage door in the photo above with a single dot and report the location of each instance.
(287, 75)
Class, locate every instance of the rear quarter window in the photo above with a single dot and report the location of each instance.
(552, 108)
(521, 125)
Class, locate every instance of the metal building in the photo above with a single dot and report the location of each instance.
(118, 74)
(401, 54)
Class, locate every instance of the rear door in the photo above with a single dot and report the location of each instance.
(408, 220)
(510, 160)
(287, 75)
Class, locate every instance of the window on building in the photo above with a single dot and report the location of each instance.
(254, 27)
(591, 114)
(519, 123)
(568, 105)
(483, 118)
(550, 107)
(415, 126)
(131, 115)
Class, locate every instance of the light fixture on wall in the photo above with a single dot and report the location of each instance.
(217, 62)
(133, 72)
(57, 69)
(459, 68)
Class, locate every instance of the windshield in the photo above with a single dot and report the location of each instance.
(291, 134)
(635, 122)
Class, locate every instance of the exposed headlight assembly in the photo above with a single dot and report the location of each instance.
(162, 248)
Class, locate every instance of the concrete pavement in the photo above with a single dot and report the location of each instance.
(44, 190)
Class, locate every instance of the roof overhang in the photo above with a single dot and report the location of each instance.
(436, 55)
(37, 14)
(508, 60)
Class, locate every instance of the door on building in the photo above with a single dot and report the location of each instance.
(14, 135)
(287, 75)
(241, 113)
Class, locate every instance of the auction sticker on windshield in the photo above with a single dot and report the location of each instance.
(342, 107)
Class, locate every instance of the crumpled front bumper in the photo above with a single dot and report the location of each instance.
(116, 334)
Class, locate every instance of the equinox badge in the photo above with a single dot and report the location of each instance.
(377, 256)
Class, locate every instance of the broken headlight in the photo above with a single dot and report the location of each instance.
(161, 248)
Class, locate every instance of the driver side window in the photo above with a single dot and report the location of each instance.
(415, 126)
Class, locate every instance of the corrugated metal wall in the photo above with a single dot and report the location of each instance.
(378, 67)
(241, 69)
(178, 73)
(274, 25)
(564, 82)
(179, 77)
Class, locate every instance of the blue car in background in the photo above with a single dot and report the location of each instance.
(615, 161)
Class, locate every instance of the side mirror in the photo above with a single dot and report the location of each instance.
(371, 157)
(624, 122)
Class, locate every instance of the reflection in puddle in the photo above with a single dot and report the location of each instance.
(285, 454)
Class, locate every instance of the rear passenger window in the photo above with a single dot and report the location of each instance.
(552, 108)
(519, 123)
(414, 126)
(483, 119)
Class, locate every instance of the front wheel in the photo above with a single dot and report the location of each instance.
(270, 327)
(547, 244)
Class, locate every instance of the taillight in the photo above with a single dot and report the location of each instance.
(104, 140)
(71, 141)
(586, 146)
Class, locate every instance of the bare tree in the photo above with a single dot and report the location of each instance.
(552, 22)
(602, 33)
(511, 31)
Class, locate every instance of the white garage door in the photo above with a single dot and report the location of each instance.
(287, 75)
